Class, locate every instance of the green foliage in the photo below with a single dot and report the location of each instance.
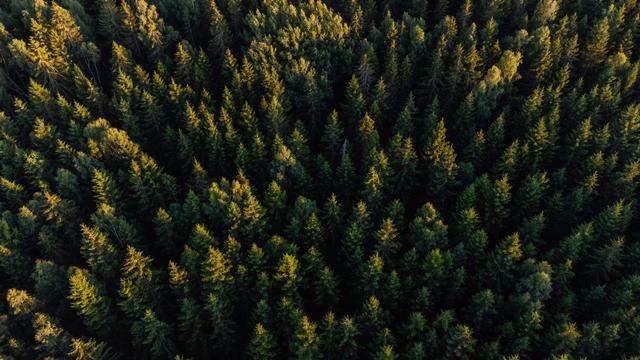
(332, 179)
(88, 298)
(262, 346)
(90, 349)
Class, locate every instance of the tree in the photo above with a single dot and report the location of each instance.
(596, 48)
(51, 339)
(305, 342)
(541, 49)
(441, 159)
(404, 123)
(287, 275)
(352, 249)
(606, 259)
(313, 232)
(218, 29)
(368, 137)
(460, 342)
(531, 193)
(503, 259)
(403, 162)
(82, 349)
(332, 137)
(327, 293)
(101, 255)
(50, 283)
(386, 353)
(427, 230)
(48, 54)
(355, 103)
(190, 323)
(386, 236)
(365, 73)
(218, 281)
(142, 27)
(262, 345)
(345, 174)
(155, 334)
(372, 276)
(545, 11)
(275, 202)
(88, 297)
(372, 322)
(20, 302)
(137, 285)
(502, 198)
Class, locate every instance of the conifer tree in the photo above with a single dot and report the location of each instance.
(319, 179)
(100, 254)
(262, 345)
(81, 349)
(88, 298)
(441, 160)
(155, 334)
(596, 47)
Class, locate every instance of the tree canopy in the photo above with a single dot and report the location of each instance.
(322, 179)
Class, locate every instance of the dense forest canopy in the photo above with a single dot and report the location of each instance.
(319, 179)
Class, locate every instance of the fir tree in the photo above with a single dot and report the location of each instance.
(88, 297)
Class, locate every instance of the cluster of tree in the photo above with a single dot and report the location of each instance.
(306, 179)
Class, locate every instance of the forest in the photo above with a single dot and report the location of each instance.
(320, 179)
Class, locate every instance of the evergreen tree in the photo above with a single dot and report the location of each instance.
(596, 48)
(262, 345)
(88, 297)
(441, 160)
(91, 349)
(319, 179)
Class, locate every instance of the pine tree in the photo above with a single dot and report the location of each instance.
(137, 286)
(460, 342)
(21, 302)
(502, 198)
(326, 288)
(545, 11)
(352, 248)
(371, 319)
(262, 345)
(143, 27)
(51, 339)
(305, 341)
(427, 230)
(155, 334)
(218, 283)
(287, 275)
(50, 283)
(82, 349)
(386, 236)
(403, 162)
(368, 137)
(190, 323)
(541, 50)
(355, 103)
(88, 297)
(332, 137)
(275, 202)
(531, 193)
(596, 48)
(372, 276)
(441, 160)
(100, 254)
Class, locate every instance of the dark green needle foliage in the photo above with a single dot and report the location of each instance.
(319, 179)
